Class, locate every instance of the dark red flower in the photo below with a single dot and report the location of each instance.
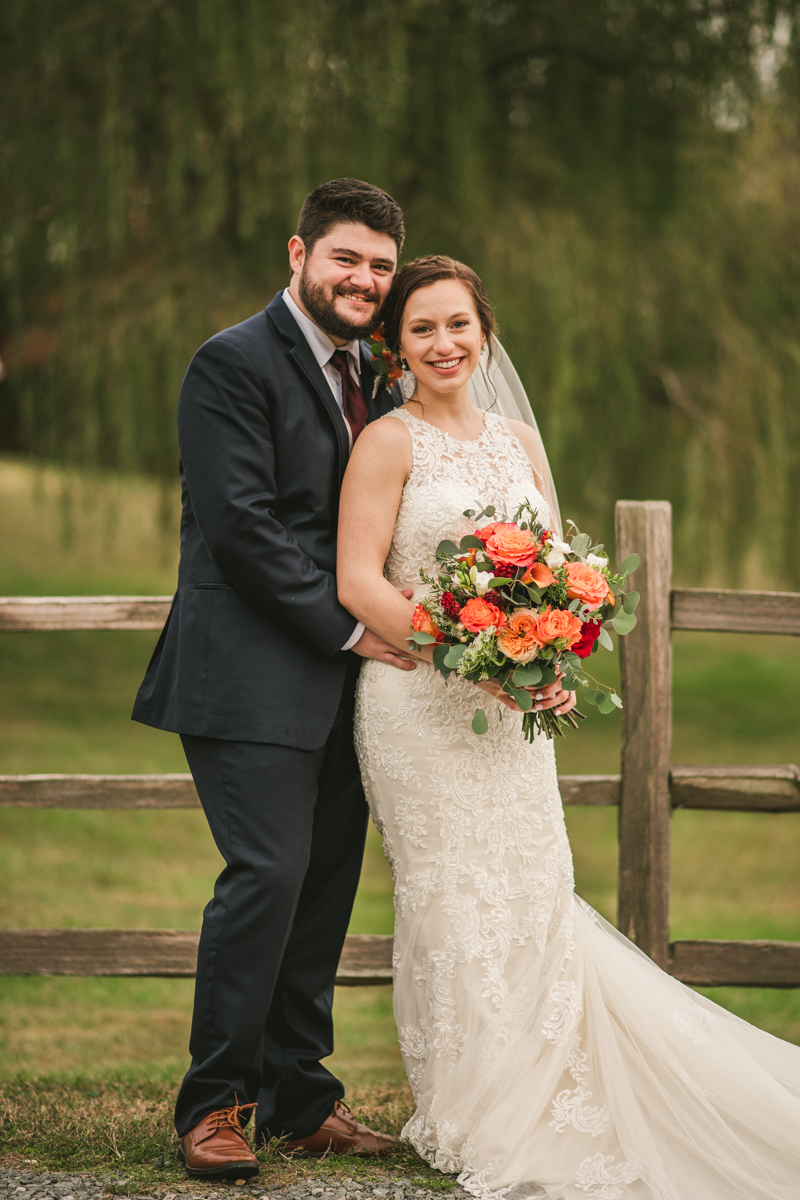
(451, 606)
(590, 634)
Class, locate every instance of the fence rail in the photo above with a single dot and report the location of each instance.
(646, 792)
(740, 789)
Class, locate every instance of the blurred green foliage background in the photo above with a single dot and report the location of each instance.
(625, 174)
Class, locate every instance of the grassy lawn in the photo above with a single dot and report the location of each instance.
(115, 1046)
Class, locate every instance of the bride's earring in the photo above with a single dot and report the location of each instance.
(404, 364)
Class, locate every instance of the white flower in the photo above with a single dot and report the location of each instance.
(555, 559)
(481, 580)
(598, 561)
(557, 544)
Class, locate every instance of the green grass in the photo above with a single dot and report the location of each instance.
(65, 701)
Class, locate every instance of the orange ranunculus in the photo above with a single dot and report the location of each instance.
(558, 625)
(540, 574)
(520, 637)
(517, 547)
(423, 622)
(478, 614)
(486, 531)
(586, 584)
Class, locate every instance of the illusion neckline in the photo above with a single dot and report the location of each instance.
(445, 434)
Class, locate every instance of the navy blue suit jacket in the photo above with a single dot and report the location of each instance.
(251, 649)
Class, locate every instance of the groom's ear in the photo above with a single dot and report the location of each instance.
(297, 254)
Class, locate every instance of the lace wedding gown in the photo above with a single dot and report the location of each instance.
(547, 1055)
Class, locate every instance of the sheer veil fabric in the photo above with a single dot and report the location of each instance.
(546, 1054)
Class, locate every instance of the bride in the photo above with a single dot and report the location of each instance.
(547, 1055)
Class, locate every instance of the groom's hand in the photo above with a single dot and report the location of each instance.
(369, 645)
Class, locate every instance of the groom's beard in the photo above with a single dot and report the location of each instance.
(323, 310)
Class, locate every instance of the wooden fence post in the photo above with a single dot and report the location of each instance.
(644, 528)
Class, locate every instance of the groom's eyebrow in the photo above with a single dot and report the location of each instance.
(384, 262)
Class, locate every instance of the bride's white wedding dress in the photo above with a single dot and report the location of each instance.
(547, 1055)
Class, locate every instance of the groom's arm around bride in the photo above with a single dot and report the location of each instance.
(252, 671)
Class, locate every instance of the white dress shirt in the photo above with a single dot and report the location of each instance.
(323, 350)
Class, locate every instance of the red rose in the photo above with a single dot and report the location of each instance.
(590, 634)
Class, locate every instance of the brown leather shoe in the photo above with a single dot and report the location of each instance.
(339, 1134)
(217, 1149)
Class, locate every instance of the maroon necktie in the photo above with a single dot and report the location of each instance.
(354, 407)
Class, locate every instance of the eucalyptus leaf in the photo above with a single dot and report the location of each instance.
(446, 549)
(624, 622)
(496, 583)
(631, 602)
(480, 722)
(453, 658)
(490, 510)
(440, 653)
(629, 564)
(528, 675)
(606, 705)
(604, 638)
(421, 638)
(615, 700)
(548, 675)
(524, 699)
(593, 696)
(470, 542)
(580, 545)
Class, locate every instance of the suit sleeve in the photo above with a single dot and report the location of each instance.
(229, 460)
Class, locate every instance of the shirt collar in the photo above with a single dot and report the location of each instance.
(321, 345)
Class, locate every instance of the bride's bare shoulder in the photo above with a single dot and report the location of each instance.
(524, 434)
(385, 443)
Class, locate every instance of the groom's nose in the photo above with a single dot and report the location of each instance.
(361, 276)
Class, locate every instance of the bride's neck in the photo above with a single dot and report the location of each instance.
(454, 412)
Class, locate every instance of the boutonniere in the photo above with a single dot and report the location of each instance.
(386, 369)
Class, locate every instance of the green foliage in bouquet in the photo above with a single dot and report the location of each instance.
(514, 603)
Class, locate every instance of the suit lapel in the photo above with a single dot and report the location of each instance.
(304, 359)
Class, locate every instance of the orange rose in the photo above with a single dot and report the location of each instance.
(520, 637)
(586, 584)
(486, 531)
(478, 614)
(540, 574)
(423, 622)
(558, 625)
(517, 547)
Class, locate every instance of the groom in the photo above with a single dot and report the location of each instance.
(256, 670)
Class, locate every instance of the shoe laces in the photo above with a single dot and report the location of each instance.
(229, 1116)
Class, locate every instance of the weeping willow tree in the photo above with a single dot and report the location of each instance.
(623, 173)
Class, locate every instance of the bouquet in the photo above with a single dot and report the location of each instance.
(514, 603)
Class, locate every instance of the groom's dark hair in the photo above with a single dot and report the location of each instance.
(351, 201)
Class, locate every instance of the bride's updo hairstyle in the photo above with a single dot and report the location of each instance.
(422, 272)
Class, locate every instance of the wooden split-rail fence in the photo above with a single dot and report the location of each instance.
(646, 791)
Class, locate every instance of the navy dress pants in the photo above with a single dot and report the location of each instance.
(290, 825)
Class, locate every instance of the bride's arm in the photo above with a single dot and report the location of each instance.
(371, 491)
